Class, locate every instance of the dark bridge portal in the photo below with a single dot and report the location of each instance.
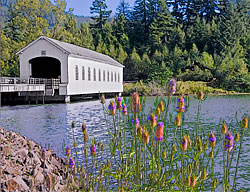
(45, 67)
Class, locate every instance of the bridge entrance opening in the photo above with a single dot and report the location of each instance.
(45, 67)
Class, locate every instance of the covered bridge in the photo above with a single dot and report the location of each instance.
(74, 70)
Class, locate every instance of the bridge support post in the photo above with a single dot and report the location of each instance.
(67, 99)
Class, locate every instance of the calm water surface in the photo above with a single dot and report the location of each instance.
(50, 125)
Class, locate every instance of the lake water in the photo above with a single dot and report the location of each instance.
(50, 125)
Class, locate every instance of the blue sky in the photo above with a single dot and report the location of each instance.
(82, 7)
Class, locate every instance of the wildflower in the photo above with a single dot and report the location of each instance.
(135, 122)
(174, 148)
(145, 137)
(68, 149)
(161, 106)
(237, 137)
(178, 120)
(188, 180)
(199, 144)
(135, 103)
(171, 86)
(204, 174)
(92, 149)
(244, 123)
(193, 181)
(158, 110)
(102, 147)
(83, 127)
(124, 109)
(184, 143)
(180, 104)
(159, 131)
(85, 137)
(223, 128)
(102, 99)
(229, 141)
(211, 154)
(43, 153)
(200, 95)
(212, 139)
(112, 108)
(152, 119)
(71, 162)
(119, 103)
(164, 154)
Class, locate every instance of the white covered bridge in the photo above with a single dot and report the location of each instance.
(51, 68)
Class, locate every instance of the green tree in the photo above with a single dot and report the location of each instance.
(101, 14)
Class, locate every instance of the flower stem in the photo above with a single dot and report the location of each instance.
(237, 164)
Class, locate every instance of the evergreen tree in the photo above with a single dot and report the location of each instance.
(101, 14)
(162, 27)
(123, 8)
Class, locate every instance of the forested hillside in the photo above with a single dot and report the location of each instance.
(191, 40)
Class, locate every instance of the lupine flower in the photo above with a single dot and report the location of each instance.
(119, 103)
(161, 106)
(223, 128)
(244, 123)
(124, 109)
(112, 108)
(83, 128)
(200, 95)
(68, 149)
(71, 162)
(180, 104)
(211, 154)
(212, 139)
(229, 141)
(145, 136)
(136, 122)
(178, 120)
(135, 103)
(92, 149)
(152, 119)
(102, 99)
(184, 143)
(43, 153)
(171, 86)
(159, 131)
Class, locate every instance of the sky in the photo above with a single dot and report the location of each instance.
(82, 7)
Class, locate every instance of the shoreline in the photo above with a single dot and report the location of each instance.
(26, 166)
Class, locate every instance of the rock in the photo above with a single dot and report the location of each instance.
(12, 185)
(36, 159)
(12, 170)
(23, 186)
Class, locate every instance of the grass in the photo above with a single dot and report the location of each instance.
(187, 88)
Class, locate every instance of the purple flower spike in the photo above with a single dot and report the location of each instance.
(71, 162)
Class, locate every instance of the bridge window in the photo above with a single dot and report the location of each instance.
(115, 76)
(103, 75)
(89, 75)
(83, 73)
(112, 76)
(118, 77)
(77, 73)
(99, 74)
(94, 75)
(108, 76)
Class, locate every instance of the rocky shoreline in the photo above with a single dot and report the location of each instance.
(26, 166)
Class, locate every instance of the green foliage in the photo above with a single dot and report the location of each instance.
(194, 41)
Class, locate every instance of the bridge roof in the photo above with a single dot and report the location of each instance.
(77, 51)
